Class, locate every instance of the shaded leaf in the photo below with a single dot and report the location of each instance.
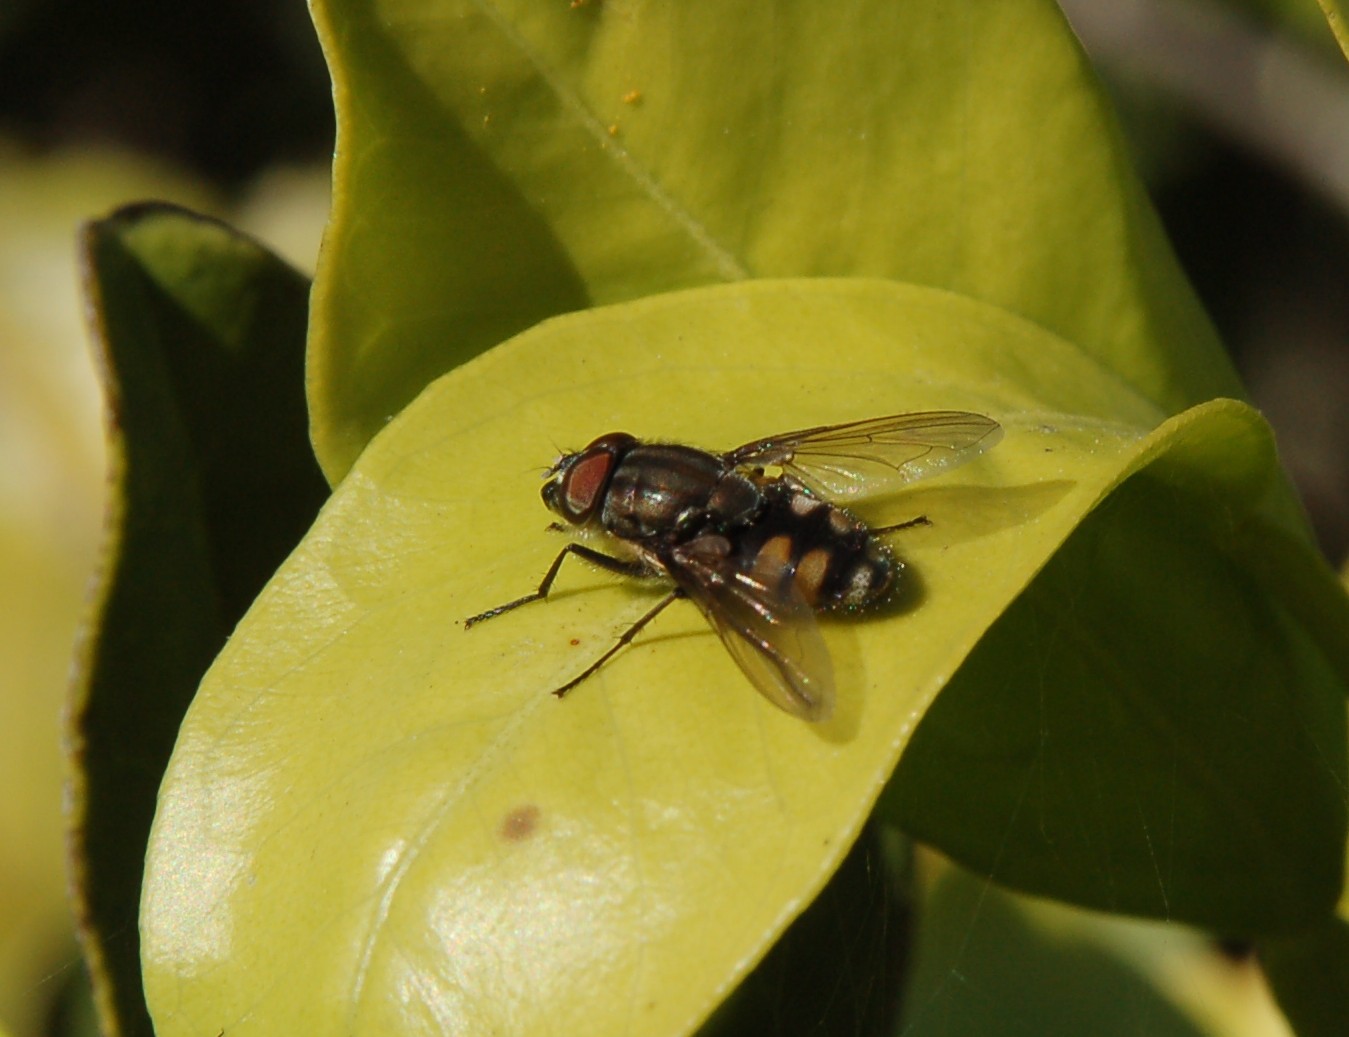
(1157, 725)
(982, 966)
(836, 968)
(199, 333)
(1309, 974)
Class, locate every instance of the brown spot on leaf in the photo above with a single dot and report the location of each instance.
(520, 823)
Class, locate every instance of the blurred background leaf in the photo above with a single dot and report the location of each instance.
(199, 332)
(51, 500)
(52, 488)
(987, 961)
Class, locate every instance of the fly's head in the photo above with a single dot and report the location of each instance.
(575, 485)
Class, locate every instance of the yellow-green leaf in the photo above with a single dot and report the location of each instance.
(1333, 10)
(376, 821)
(500, 164)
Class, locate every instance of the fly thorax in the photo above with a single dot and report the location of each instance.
(656, 488)
(735, 501)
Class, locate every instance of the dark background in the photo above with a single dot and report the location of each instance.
(224, 89)
(227, 90)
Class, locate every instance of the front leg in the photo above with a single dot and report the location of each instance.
(635, 568)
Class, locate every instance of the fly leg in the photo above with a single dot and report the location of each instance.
(614, 565)
(623, 640)
(921, 520)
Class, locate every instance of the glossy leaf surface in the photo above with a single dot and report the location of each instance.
(377, 821)
(498, 165)
(1334, 12)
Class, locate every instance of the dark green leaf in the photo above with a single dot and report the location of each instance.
(1157, 725)
(200, 335)
(836, 969)
(1309, 973)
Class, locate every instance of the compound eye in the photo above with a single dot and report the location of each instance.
(583, 484)
(577, 483)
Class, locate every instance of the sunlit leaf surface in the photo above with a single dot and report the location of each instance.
(376, 821)
(498, 164)
(1334, 12)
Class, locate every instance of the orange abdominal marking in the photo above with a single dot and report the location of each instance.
(810, 573)
(774, 557)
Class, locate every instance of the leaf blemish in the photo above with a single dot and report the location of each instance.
(520, 824)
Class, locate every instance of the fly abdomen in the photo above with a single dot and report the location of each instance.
(861, 579)
(830, 557)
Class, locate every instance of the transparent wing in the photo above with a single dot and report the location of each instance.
(771, 633)
(877, 454)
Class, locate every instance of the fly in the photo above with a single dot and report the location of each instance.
(760, 554)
